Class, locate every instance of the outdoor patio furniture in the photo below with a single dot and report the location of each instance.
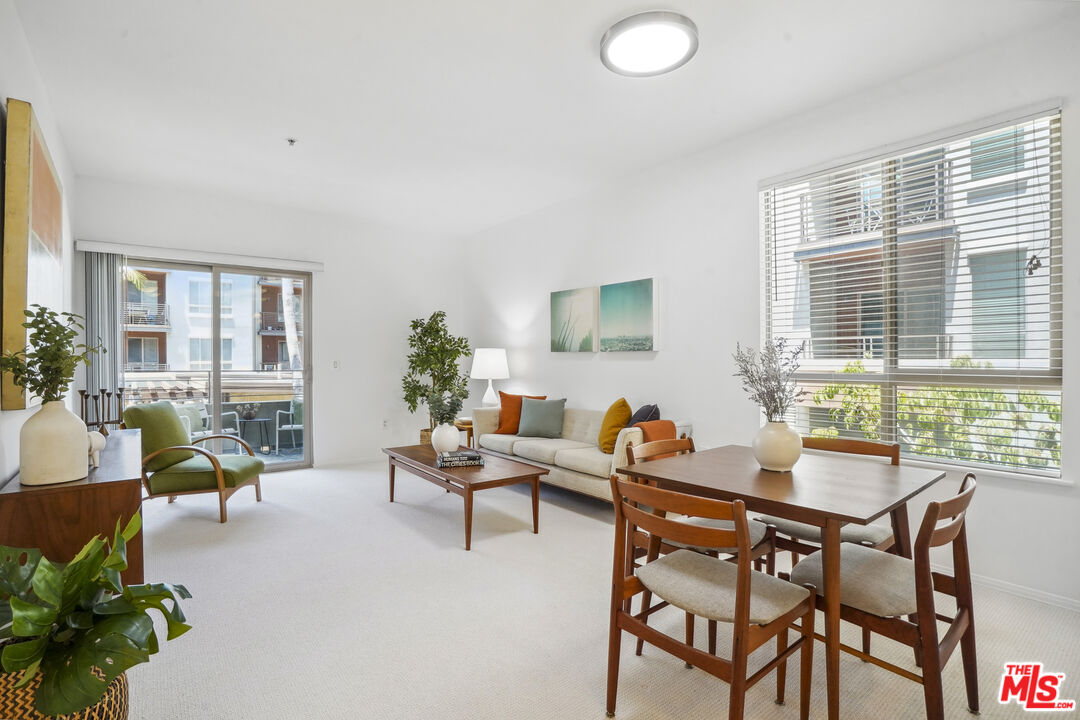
(289, 421)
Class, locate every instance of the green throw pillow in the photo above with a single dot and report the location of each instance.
(541, 418)
(161, 428)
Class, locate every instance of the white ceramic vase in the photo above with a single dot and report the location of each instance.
(777, 447)
(445, 438)
(52, 446)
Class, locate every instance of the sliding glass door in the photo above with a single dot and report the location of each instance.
(228, 347)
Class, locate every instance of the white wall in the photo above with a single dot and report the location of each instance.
(693, 225)
(376, 281)
(19, 79)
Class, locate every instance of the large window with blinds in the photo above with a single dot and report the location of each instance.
(926, 288)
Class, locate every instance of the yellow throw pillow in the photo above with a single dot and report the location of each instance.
(615, 419)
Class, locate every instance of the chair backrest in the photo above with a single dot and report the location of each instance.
(659, 448)
(952, 513)
(161, 428)
(854, 447)
(630, 495)
(297, 407)
(630, 499)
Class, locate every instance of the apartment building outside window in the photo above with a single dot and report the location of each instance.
(927, 289)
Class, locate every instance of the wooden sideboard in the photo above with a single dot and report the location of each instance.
(59, 519)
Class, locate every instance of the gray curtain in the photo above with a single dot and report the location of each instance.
(104, 295)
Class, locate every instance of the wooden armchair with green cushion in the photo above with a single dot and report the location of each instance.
(174, 464)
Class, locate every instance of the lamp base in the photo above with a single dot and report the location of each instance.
(490, 398)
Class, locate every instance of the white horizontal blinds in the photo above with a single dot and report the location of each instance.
(927, 288)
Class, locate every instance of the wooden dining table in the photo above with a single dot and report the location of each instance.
(824, 490)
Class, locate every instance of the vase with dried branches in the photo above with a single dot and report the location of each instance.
(769, 379)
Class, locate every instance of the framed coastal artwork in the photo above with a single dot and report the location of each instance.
(628, 316)
(573, 320)
(33, 234)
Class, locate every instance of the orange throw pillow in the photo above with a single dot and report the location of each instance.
(657, 430)
(615, 419)
(510, 412)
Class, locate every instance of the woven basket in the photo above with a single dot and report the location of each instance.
(18, 703)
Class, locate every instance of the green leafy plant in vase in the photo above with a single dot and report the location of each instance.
(444, 408)
(433, 363)
(53, 442)
(70, 631)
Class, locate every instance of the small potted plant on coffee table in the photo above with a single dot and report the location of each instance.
(444, 409)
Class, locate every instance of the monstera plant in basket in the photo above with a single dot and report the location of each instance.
(68, 632)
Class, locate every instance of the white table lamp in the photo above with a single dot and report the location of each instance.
(490, 364)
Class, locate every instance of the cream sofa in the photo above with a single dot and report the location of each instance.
(575, 460)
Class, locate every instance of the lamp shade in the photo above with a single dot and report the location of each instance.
(489, 364)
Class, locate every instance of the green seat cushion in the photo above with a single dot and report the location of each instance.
(161, 428)
(198, 474)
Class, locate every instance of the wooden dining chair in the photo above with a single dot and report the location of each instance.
(759, 606)
(802, 539)
(762, 536)
(878, 589)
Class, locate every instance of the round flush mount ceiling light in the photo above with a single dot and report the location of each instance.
(649, 43)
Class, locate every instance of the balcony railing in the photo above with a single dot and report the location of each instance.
(858, 347)
(145, 366)
(146, 314)
(274, 322)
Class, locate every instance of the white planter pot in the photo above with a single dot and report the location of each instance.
(52, 446)
(777, 447)
(445, 438)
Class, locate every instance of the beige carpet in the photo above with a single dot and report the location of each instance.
(326, 601)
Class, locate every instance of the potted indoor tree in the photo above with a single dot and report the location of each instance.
(433, 365)
(53, 441)
(68, 632)
(769, 378)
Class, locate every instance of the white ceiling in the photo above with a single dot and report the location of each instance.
(453, 115)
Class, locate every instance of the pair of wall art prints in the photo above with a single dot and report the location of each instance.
(620, 317)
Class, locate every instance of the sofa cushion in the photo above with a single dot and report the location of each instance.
(588, 460)
(544, 450)
(510, 412)
(541, 418)
(615, 419)
(501, 443)
(582, 425)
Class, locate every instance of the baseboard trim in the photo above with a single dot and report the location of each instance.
(1030, 593)
(1023, 591)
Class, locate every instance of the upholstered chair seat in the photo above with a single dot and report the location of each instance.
(873, 581)
(705, 586)
(872, 535)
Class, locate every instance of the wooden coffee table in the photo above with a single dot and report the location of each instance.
(464, 481)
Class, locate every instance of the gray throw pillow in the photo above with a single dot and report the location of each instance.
(541, 418)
